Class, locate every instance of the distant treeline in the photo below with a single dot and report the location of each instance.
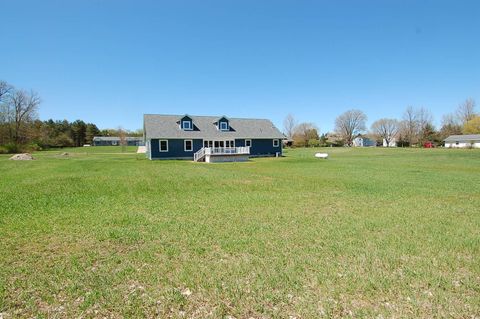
(20, 128)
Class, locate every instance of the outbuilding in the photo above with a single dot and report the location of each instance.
(463, 141)
(115, 140)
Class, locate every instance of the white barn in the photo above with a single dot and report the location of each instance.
(463, 141)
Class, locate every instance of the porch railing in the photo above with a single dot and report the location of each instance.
(220, 151)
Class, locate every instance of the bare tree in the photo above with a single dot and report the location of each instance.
(386, 129)
(466, 111)
(425, 117)
(289, 124)
(22, 107)
(410, 125)
(5, 90)
(350, 124)
(450, 126)
(304, 132)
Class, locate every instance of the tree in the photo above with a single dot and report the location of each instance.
(78, 132)
(450, 126)
(466, 111)
(410, 125)
(22, 108)
(5, 90)
(414, 123)
(122, 134)
(91, 131)
(304, 132)
(472, 126)
(350, 124)
(426, 129)
(289, 126)
(386, 129)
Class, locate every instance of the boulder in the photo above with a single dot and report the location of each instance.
(22, 157)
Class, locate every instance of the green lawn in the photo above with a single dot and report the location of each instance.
(387, 233)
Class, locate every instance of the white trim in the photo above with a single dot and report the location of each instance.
(190, 124)
(277, 142)
(223, 128)
(185, 145)
(160, 146)
(249, 140)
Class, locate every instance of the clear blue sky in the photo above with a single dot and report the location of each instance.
(110, 61)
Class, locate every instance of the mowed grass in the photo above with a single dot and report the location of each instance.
(392, 233)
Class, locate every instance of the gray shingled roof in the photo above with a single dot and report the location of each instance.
(167, 126)
(461, 138)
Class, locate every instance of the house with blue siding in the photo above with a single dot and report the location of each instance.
(209, 138)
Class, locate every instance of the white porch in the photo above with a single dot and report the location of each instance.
(222, 154)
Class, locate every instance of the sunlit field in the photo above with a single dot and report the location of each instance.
(389, 233)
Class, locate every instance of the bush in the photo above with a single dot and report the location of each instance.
(32, 147)
(313, 143)
(12, 148)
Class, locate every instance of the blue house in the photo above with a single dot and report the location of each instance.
(209, 138)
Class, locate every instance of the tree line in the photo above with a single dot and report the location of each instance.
(21, 129)
(415, 128)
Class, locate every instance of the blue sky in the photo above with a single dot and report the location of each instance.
(110, 61)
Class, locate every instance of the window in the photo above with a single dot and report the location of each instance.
(223, 126)
(187, 125)
(163, 145)
(207, 143)
(248, 143)
(230, 143)
(276, 143)
(188, 145)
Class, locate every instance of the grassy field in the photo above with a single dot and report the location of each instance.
(383, 233)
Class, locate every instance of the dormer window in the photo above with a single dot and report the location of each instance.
(223, 126)
(187, 125)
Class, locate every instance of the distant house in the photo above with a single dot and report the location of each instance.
(209, 138)
(463, 141)
(115, 140)
(392, 143)
(362, 141)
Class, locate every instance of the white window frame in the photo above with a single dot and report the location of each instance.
(276, 141)
(160, 146)
(223, 128)
(185, 145)
(189, 128)
(249, 142)
(230, 142)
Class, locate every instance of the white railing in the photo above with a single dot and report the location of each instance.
(199, 154)
(227, 150)
(220, 151)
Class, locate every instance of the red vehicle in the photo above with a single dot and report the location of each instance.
(428, 145)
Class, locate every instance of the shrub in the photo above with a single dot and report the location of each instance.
(313, 143)
(32, 147)
(12, 148)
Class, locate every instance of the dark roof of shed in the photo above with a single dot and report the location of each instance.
(166, 126)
